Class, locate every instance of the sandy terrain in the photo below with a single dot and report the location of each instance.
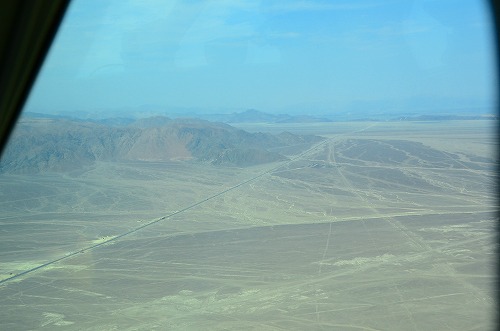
(383, 226)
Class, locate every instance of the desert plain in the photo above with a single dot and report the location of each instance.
(381, 226)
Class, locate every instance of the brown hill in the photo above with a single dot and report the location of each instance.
(62, 145)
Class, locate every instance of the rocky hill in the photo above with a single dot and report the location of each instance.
(48, 144)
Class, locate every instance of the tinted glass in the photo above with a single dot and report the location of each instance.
(260, 165)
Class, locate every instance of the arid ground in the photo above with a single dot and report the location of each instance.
(382, 226)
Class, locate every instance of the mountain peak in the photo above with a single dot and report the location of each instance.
(63, 145)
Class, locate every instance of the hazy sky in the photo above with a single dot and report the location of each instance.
(275, 56)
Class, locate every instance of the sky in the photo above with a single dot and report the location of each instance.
(296, 56)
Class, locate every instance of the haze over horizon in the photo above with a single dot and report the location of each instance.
(314, 57)
(340, 172)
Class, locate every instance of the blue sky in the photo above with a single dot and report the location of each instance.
(292, 56)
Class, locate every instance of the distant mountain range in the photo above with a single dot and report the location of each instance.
(445, 117)
(127, 117)
(55, 144)
(248, 116)
(255, 116)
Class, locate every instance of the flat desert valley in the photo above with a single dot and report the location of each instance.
(381, 226)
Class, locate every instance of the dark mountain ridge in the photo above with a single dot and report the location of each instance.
(49, 144)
